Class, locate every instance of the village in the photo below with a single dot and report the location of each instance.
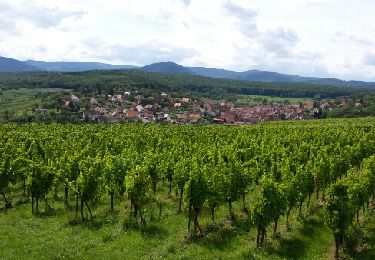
(170, 110)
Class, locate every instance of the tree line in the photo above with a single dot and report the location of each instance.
(97, 82)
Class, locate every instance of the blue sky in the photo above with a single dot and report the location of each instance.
(334, 38)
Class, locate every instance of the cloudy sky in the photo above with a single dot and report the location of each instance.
(334, 38)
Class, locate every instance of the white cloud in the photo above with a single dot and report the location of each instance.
(308, 37)
(369, 59)
(14, 13)
(280, 42)
(245, 18)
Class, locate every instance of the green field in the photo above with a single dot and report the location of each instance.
(258, 99)
(24, 98)
(57, 235)
(222, 176)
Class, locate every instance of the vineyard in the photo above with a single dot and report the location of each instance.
(257, 182)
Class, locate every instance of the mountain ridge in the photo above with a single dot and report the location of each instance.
(75, 66)
(13, 65)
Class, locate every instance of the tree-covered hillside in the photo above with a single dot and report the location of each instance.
(110, 81)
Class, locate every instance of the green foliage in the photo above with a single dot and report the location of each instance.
(208, 165)
(90, 178)
(339, 213)
(114, 171)
(196, 188)
(339, 210)
(109, 81)
(7, 173)
(354, 237)
(269, 205)
(138, 186)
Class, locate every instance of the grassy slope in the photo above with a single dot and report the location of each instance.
(22, 99)
(57, 235)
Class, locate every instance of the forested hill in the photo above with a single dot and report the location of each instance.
(110, 81)
(75, 66)
(12, 65)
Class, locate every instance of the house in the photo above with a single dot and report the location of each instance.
(119, 110)
(102, 119)
(90, 114)
(93, 101)
(183, 118)
(139, 108)
(185, 100)
(148, 114)
(308, 105)
(194, 117)
(111, 119)
(177, 105)
(132, 114)
(149, 107)
(210, 111)
(68, 103)
(74, 98)
(117, 114)
(226, 106)
(228, 117)
(296, 105)
(101, 110)
(107, 104)
(209, 102)
(119, 98)
(218, 121)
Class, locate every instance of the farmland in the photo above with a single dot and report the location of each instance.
(22, 99)
(152, 191)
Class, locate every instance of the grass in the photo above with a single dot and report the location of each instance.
(58, 235)
(367, 250)
(257, 99)
(23, 98)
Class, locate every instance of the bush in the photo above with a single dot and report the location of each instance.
(353, 238)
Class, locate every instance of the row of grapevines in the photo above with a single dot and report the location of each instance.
(278, 165)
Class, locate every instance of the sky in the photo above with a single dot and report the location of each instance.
(334, 38)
